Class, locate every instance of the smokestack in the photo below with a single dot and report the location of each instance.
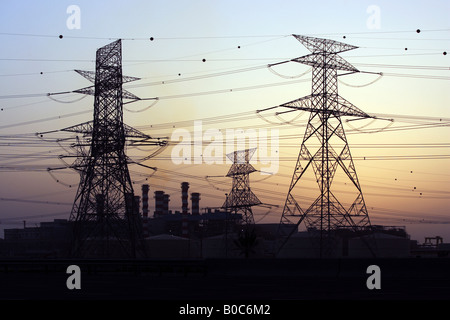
(166, 200)
(184, 212)
(129, 203)
(159, 203)
(137, 205)
(145, 189)
(184, 197)
(195, 198)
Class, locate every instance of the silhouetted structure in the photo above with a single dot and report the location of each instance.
(106, 220)
(324, 149)
(48, 240)
(145, 189)
(241, 198)
(159, 203)
(184, 209)
(195, 198)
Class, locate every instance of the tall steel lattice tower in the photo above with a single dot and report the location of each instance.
(324, 153)
(241, 199)
(105, 212)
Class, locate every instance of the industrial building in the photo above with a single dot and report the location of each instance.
(212, 233)
(192, 225)
(160, 232)
(50, 239)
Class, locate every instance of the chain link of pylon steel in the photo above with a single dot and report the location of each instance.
(326, 214)
(241, 198)
(105, 214)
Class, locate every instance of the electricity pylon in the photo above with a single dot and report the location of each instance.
(323, 151)
(105, 213)
(241, 199)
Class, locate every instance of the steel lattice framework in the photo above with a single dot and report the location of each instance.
(324, 150)
(105, 213)
(241, 198)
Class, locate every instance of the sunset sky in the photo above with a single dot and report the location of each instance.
(208, 61)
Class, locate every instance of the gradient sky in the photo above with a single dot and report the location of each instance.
(230, 36)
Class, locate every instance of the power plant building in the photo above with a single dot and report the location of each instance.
(204, 233)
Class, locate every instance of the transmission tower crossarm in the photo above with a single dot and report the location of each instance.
(126, 79)
(334, 62)
(346, 108)
(85, 127)
(341, 106)
(91, 91)
(130, 132)
(315, 45)
(88, 90)
(134, 133)
(90, 75)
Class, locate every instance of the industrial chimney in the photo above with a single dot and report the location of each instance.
(195, 198)
(184, 197)
(184, 210)
(137, 204)
(145, 189)
(166, 199)
(159, 203)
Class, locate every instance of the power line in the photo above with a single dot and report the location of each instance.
(33, 73)
(403, 66)
(205, 76)
(416, 76)
(33, 216)
(438, 122)
(379, 32)
(154, 38)
(434, 77)
(36, 201)
(45, 119)
(45, 60)
(150, 38)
